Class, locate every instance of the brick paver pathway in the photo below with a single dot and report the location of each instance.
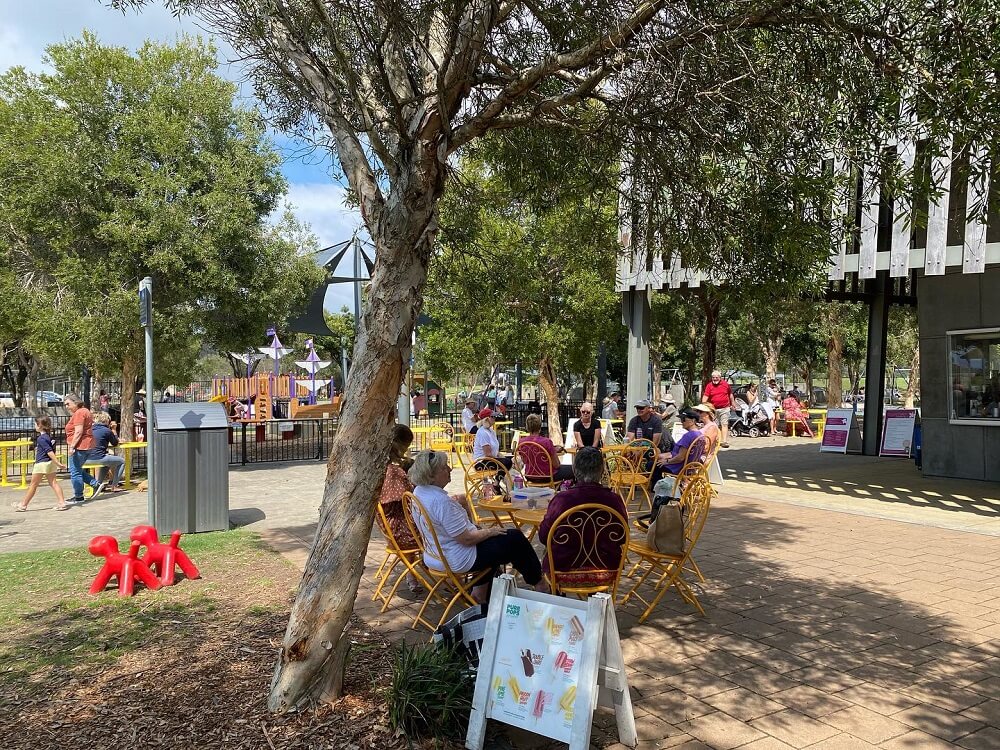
(842, 628)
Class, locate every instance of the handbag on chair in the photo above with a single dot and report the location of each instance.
(665, 523)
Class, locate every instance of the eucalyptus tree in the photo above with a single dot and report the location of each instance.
(115, 166)
(685, 88)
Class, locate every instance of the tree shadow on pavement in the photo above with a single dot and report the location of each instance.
(879, 480)
(820, 626)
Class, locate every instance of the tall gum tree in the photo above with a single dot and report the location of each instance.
(117, 165)
(402, 86)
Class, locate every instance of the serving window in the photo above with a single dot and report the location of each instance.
(974, 365)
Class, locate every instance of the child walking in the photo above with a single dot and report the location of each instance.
(45, 466)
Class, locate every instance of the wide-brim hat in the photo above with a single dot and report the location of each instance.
(707, 408)
(669, 398)
(141, 392)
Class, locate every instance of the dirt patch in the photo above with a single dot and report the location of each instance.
(187, 667)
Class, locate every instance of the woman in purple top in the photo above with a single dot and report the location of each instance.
(588, 468)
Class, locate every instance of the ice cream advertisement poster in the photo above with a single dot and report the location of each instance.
(537, 666)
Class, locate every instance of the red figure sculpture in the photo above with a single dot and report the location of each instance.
(164, 557)
(127, 567)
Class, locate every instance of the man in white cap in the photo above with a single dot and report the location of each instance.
(468, 415)
(645, 425)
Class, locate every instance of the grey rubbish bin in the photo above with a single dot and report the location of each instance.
(190, 467)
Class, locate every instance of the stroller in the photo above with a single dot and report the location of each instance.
(751, 421)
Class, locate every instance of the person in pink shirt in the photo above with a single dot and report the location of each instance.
(535, 468)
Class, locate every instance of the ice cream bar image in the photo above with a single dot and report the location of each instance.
(529, 668)
(560, 661)
(576, 626)
(566, 702)
(539, 706)
(512, 683)
(497, 682)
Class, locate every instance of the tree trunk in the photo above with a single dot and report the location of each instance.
(27, 371)
(130, 370)
(692, 361)
(913, 384)
(770, 347)
(547, 382)
(835, 367)
(310, 661)
(710, 304)
(657, 377)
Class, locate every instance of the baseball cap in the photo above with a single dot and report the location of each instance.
(485, 412)
(689, 414)
(643, 403)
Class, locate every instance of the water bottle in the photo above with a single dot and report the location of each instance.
(518, 481)
(487, 489)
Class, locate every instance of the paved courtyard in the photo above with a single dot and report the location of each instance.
(850, 602)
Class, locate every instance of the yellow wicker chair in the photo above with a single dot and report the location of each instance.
(667, 570)
(461, 583)
(590, 572)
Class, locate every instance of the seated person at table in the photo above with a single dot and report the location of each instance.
(673, 462)
(466, 547)
(104, 438)
(589, 469)
(645, 425)
(486, 444)
(535, 467)
(794, 412)
(707, 425)
(391, 496)
(587, 429)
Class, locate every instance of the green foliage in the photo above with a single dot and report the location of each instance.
(431, 692)
(525, 267)
(116, 166)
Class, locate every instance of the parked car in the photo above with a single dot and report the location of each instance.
(48, 398)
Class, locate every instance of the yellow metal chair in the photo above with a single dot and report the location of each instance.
(698, 454)
(462, 583)
(630, 467)
(442, 438)
(487, 471)
(666, 570)
(582, 529)
(395, 555)
(463, 449)
(533, 455)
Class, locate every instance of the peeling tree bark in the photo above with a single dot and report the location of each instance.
(550, 392)
(130, 370)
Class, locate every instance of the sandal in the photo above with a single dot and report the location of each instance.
(64, 506)
(18, 508)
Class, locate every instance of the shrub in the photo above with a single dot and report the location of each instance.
(431, 692)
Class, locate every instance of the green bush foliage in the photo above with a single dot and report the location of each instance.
(431, 692)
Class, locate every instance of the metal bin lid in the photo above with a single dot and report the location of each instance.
(196, 416)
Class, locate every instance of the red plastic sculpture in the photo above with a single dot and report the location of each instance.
(163, 558)
(126, 567)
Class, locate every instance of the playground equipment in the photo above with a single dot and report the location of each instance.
(163, 558)
(261, 391)
(312, 364)
(129, 567)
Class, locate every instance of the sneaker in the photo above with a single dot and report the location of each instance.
(75, 501)
(101, 486)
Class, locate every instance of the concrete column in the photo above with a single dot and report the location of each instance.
(635, 315)
(878, 331)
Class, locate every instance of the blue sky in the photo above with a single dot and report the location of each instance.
(27, 28)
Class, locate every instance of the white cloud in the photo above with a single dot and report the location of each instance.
(321, 206)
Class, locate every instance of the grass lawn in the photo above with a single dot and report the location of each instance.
(184, 667)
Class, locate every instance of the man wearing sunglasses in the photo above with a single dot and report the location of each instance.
(718, 393)
(645, 425)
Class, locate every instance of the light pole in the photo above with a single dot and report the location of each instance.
(146, 320)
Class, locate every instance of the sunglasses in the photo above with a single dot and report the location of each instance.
(586, 411)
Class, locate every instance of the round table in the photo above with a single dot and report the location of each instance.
(497, 504)
(528, 517)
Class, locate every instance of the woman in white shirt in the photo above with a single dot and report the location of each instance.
(466, 547)
(486, 444)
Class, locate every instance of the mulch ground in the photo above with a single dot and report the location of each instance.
(197, 676)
